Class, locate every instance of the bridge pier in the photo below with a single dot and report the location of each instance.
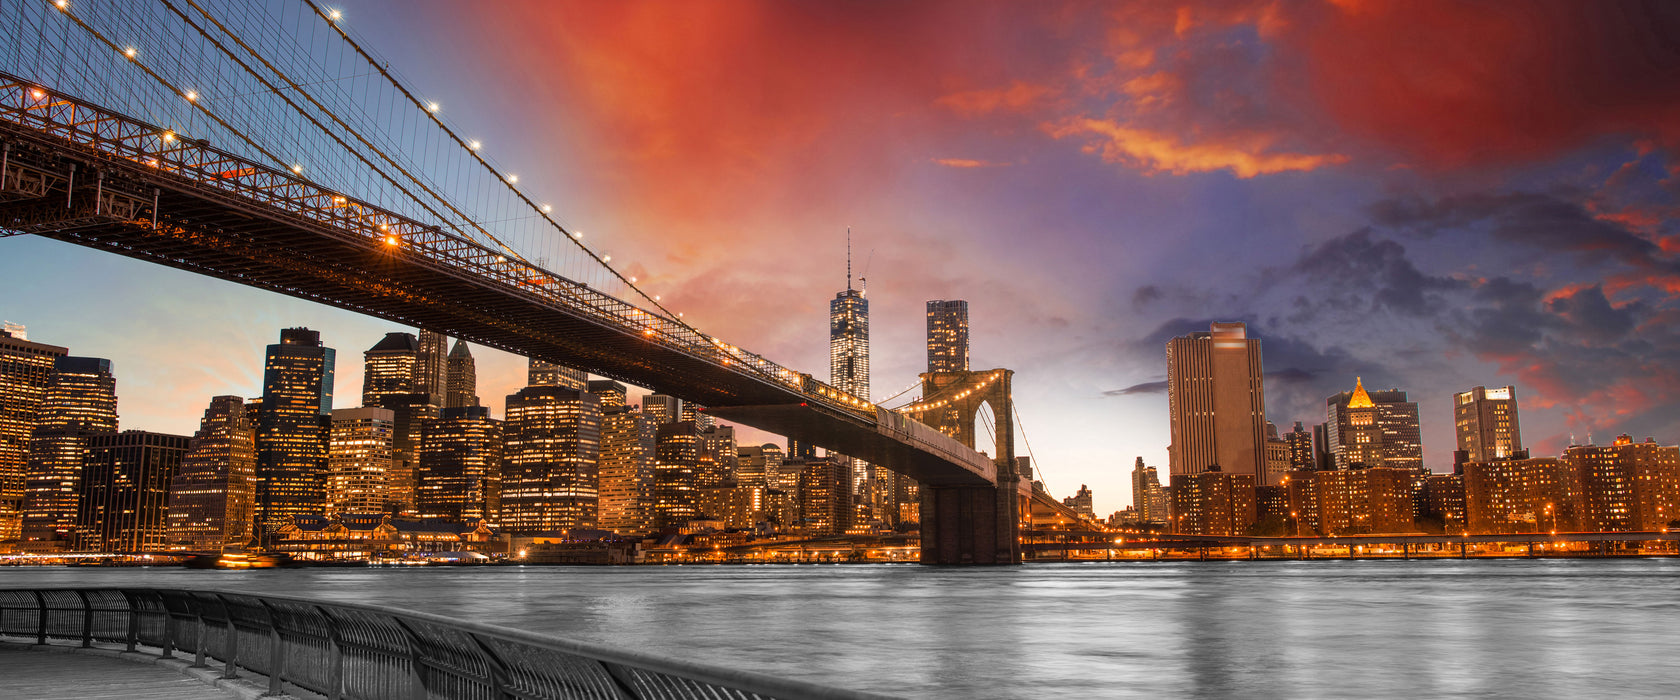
(970, 525)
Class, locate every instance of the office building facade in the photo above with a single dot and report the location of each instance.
(211, 498)
(1485, 421)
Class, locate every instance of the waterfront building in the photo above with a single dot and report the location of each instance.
(460, 466)
(1444, 501)
(1373, 429)
(676, 464)
(1486, 422)
(551, 448)
(1300, 443)
(825, 491)
(293, 423)
(541, 373)
(211, 498)
(460, 377)
(760, 465)
(720, 443)
(24, 370)
(1080, 502)
(361, 452)
(1212, 502)
(947, 336)
(696, 414)
(125, 491)
(662, 409)
(390, 367)
(1353, 501)
(80, 403)
(1518, 495)
(1625, 486)
(431, 368)
(1216, 402)
(1149, 500)
(629, 442)
(737, 507)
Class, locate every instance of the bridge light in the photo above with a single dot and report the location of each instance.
(648, 332)
(390, 240)
(432, 107)
(512, 179)
(335, 15)
(547, 208)
(129, 52)
(473, 145)
(169, 137)
(632, 280)
(656, 297)
(63, 5)
(384, 227)
(606, 258)
(192, 95)
(298, 169)
(37, 93)
(577, 234)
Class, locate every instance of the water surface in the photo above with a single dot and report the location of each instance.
(1280, 629)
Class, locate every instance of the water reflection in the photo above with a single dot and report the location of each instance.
(1295, 629)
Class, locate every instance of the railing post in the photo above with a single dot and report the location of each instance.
(133, 620)
(276, 653)
(87, 619)
(498, 668)
(168, 628)
(41, 631)
(230, 665)
(417, 688)
(335, 677)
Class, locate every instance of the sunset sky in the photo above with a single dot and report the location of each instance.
(1430, 195)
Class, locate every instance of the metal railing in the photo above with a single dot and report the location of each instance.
(365, 652)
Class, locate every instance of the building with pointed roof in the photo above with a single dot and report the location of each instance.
(1373, 429)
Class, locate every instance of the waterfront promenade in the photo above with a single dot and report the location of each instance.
(36, 672)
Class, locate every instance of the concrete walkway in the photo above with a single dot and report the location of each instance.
(69, 673)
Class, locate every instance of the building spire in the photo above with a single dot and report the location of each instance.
(848, 258)
(1360, 399)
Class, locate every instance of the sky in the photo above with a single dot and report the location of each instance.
(1428, 195)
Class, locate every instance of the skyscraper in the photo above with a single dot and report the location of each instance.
(361, 452)
(460, 465)
(550, 453)
(1149, 500)
(125, 491)
(1300, 442)
(431, 374)
(390, 367)
(80, 403)
(541, 373)
(629, 441)
(676, 466)
(1373, 429)
(1216, 402)
(460, 377)
(24, 369)
(848, 369)
(1486, 422)
(825, 494)
(210, 501)
(611, 393)
(947, 336)
(293, 426)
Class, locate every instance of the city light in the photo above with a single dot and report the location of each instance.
(129, 52)
(192, 95)
(432, 107)
(473, 145)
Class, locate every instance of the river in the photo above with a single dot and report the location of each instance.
(1517, 628)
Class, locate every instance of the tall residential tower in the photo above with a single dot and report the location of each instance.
(1486, 422)
(1216, 402)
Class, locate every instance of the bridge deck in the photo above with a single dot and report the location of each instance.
(61, 672)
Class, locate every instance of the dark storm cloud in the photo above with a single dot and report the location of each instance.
(1159, 387)
(1144, 295)
(1594, 320)
(1546, 222)
(1371, 270)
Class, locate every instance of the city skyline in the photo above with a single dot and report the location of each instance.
(1432, 255)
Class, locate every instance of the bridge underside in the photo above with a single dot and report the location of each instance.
(100, 196)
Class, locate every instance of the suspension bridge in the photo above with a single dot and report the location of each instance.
(268, 146)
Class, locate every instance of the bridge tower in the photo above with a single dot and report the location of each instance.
(972, 524)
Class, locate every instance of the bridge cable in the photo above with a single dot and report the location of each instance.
(499, 175)
(171, 87)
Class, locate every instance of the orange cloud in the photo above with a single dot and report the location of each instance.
(1018, 96)
(967, 163)
(1157, 152)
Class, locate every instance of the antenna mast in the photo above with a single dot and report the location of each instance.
(848, 258)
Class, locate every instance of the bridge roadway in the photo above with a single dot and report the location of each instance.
(84, 174)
